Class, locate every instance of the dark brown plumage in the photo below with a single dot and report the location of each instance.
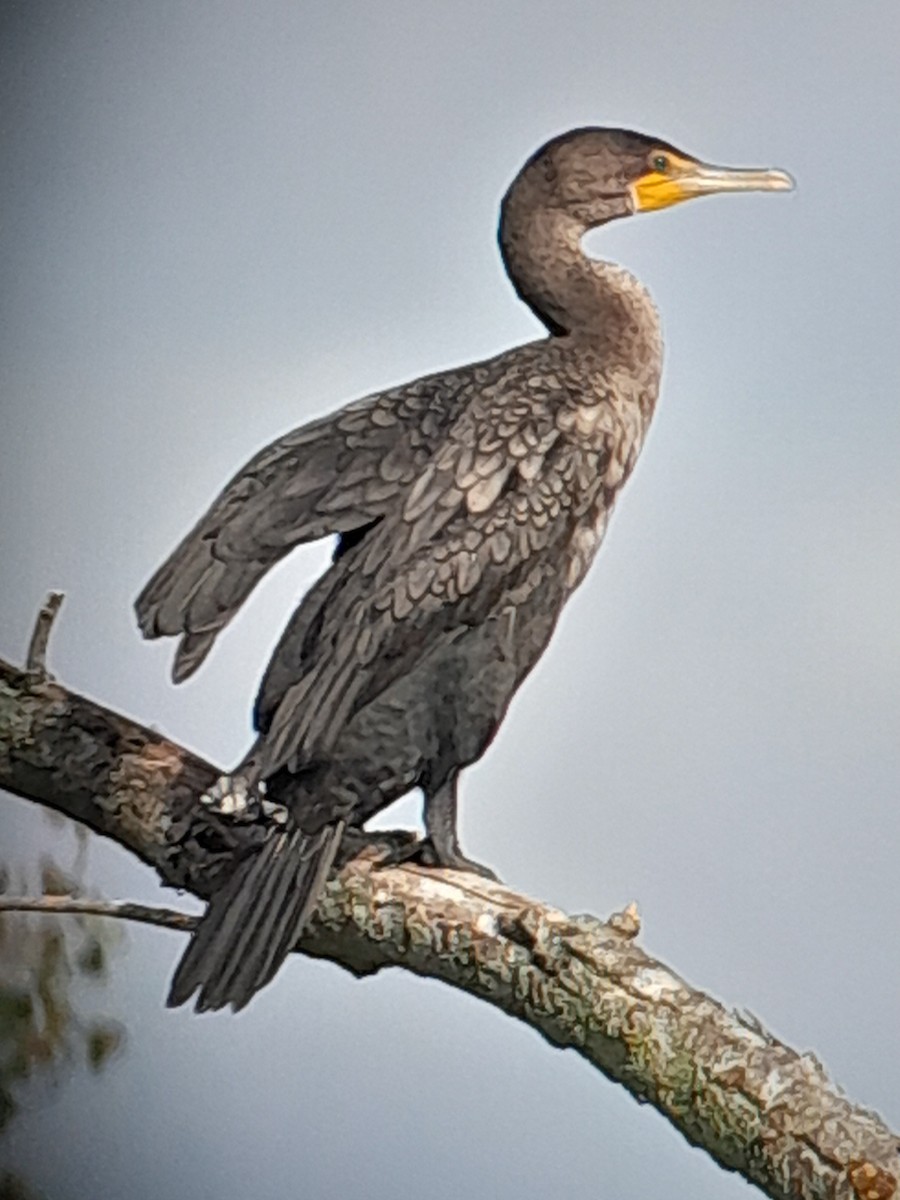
(469, 505)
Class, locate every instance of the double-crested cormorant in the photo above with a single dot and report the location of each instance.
(468, 507)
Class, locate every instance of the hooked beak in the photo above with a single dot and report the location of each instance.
(684, 179)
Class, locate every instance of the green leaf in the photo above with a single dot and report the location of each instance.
(103, 1040)
(92, 958)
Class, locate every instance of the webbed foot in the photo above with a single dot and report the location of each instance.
(233, 796)
(428, 854)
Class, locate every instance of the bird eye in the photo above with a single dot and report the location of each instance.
(660, 162)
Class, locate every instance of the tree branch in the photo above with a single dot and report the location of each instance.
(754, 1104)
(36, 657)
(80, 906)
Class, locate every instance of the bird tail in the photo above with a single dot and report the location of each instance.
(253, 922)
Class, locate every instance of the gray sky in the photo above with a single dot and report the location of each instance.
(221, 219)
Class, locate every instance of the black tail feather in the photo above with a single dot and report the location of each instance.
(253, 922)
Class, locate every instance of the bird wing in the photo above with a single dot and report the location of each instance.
(501, 508)
(334, 475)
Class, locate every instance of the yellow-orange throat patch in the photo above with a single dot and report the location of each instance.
(660, 189)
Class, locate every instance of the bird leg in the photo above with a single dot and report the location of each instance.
(439, 848)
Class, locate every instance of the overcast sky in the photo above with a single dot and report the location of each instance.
(221, 219)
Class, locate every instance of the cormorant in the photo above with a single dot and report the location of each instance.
(468, 507)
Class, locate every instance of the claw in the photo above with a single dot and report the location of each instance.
(275, 812)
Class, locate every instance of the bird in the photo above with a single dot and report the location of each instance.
(468, 506)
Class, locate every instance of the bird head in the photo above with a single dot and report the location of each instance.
(596, 175)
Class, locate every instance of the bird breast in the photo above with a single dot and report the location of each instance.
(614, 420)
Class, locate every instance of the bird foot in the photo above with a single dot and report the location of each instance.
(235, 797)
(428, 854)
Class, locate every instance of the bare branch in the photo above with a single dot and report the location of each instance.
(754, 1104)
(36, 658)
(79, 906)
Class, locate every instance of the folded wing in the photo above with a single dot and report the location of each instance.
(490, 518)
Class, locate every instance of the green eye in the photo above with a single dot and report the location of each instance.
(660, 163)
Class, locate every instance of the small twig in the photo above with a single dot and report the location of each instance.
(36, 658)
(168, 918)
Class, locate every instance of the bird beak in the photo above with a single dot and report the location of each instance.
(684, 179)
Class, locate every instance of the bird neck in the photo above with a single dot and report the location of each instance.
(571, 293)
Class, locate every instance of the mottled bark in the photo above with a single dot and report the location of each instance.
(755, 1105)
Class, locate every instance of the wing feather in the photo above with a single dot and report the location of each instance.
(448, 559)
(331, 476)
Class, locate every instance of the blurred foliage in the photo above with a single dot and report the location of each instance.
(13, 1187)
(44, 958)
